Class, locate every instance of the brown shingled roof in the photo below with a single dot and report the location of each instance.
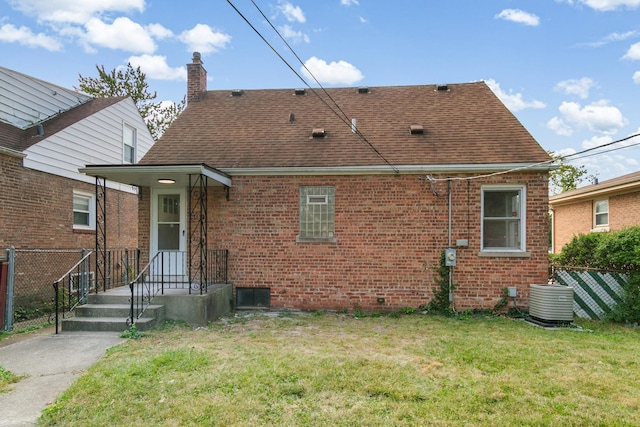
(465, 124)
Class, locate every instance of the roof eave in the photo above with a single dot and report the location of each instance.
(12, 153)
(594, 193)
(382, 169)
(148, 175)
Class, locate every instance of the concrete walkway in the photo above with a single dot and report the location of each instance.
(51, 362)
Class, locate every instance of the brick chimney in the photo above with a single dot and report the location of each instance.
(196, 79)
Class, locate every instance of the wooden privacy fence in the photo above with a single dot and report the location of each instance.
(595, 293)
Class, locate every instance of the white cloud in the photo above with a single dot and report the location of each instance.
(596, 141)
(597, 117)
(349, 2)
(158, 31)
(203, 39)
(292, 13)
(606, 5)
(24, 36)
(513, 101)
(578, 87)
(559, 127)
(340, 72)
(636, 77)
(613, 37)
(74, 11)
(156, 67)
(634, 52)
(519, 16)
(295, 36)
(122, 33)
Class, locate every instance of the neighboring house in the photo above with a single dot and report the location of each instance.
(46, 133)
(610, 205)
(346, 198)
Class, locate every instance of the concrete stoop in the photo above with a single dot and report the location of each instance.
(109, 311)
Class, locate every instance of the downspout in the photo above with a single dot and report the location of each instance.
(450, 245)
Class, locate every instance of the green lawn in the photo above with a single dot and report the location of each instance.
(335, 370)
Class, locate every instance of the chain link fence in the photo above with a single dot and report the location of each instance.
(29, 299)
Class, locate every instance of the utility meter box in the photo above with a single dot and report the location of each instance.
(450, 257)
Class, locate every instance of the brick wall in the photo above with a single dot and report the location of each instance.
(571, 220)
(36, 211)
(624, 211)
(577, 218)
(389, 230)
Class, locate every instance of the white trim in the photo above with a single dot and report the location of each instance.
(91, 198)
(125, 144)
(596, 226)
(153, 240)
(144, 175)
(12, 153)
(523, 218)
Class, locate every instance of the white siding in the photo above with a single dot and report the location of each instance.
(95, 140)
(25, 100)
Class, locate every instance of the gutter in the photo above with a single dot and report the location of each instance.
(386, 170)
(12, 153)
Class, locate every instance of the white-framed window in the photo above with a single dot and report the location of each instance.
(601, 214)
(503, 218)
(317, 212)
(128, 144)
(84, 210)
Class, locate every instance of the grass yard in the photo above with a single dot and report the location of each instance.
(335, 370)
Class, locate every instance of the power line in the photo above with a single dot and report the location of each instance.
(344, 118)
(521, 168)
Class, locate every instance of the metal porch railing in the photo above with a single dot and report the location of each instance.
(73, 287)
(170, 270)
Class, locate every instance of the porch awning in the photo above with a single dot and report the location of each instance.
(152, 175)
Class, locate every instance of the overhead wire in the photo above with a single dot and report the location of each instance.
(550, 161)
(343, 117)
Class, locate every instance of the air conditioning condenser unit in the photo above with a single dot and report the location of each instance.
(551, 304)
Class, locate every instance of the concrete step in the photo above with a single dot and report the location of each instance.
(117, 310)
(109, 299)
(104, 324)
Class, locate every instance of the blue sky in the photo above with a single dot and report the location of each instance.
(569, 70)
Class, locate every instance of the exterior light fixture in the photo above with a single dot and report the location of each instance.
(166, 181)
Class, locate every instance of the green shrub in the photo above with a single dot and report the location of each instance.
(620, 250)
(628, 310)
(581, 251)
(613, 251)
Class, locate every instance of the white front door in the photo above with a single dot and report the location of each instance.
(168, 231)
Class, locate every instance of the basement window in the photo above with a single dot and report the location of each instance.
(253, 297)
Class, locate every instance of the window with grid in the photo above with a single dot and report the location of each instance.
(503, 218)
(601, 213)
(129, 144)
(316, 212)
(83, 210)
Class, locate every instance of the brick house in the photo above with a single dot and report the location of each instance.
(610, 205)
(346, 198)
(46, 133)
